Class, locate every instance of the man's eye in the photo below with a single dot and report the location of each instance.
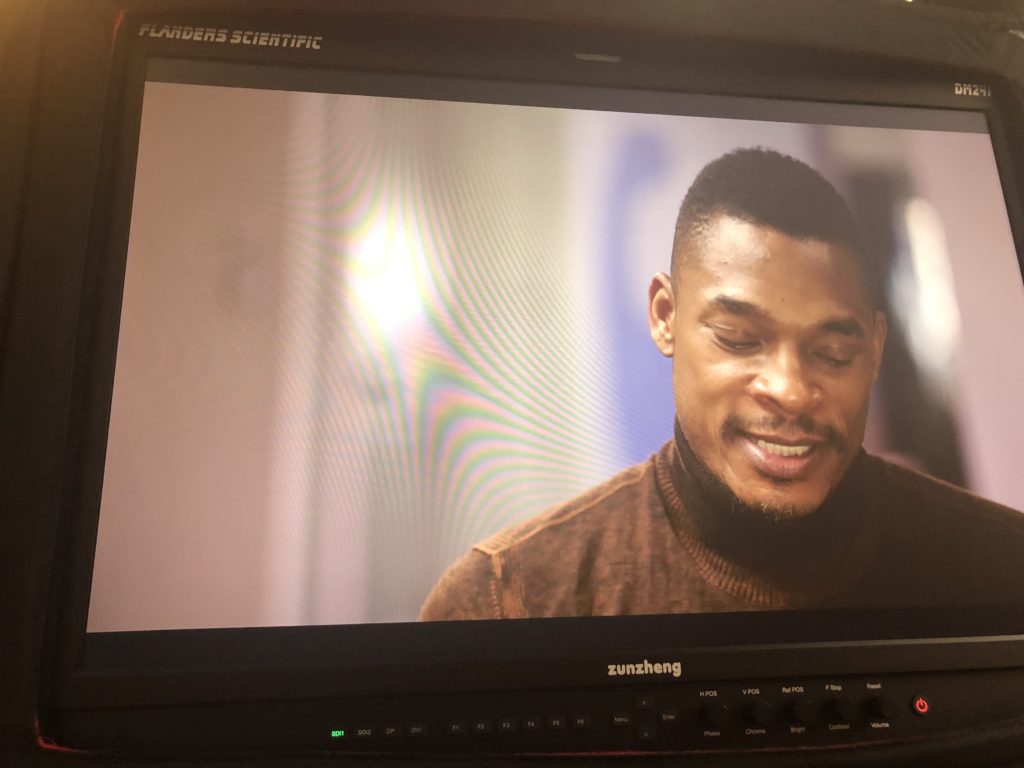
(833, 360)
(736, 343)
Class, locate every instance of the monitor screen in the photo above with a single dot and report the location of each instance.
(397, 349)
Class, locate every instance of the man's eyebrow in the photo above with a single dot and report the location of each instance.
(845, 326)
(739, 307)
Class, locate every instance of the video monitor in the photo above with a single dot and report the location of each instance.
(399, 349)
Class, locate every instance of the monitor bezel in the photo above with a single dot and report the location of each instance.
(132, 669)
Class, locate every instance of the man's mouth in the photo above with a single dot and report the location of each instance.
(781, 449)
(780, 458)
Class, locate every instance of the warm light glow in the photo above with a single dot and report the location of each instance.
(383, 274)
(926, 297)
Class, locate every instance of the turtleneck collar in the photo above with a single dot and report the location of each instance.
(768, 562)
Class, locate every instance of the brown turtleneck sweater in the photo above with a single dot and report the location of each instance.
(657, 538)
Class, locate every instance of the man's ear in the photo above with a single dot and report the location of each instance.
(661, 312)
(878, 340)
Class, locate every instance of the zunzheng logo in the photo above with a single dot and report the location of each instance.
(231, 36)
(645, 667)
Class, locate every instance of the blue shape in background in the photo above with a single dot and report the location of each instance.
(642, 376)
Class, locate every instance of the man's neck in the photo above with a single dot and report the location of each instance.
(787, 552)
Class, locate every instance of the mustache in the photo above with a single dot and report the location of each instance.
(793, 428)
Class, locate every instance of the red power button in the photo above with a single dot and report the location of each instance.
(921, 705)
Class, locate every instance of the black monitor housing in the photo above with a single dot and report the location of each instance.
(911, 680)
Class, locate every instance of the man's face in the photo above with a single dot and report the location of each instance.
(775, 348)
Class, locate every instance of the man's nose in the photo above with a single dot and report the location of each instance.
(785, 382)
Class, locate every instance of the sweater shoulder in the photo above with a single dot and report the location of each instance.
(596, 509)
(918, 493)
(939, 544)
(466, 590)
(548, 565)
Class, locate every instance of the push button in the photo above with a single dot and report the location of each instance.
(481, 727)
(621, 719)
(456, 728)
(532, 724)
(920, 705)
(646, 733)
(556, 723)
(508, 725)
(580, 721)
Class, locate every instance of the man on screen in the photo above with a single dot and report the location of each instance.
(765, 498)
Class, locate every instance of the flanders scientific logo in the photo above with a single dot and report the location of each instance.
(231, 36)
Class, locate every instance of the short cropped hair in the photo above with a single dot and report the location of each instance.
(767, 188)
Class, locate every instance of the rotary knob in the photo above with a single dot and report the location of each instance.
(882, 708)
(801, 711)
(759, 713)
(716, 715)
(842, 710)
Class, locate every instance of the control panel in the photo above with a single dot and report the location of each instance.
(781, 714)
(666, 716)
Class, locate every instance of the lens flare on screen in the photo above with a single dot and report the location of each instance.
(929, 300)
(382, 269)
